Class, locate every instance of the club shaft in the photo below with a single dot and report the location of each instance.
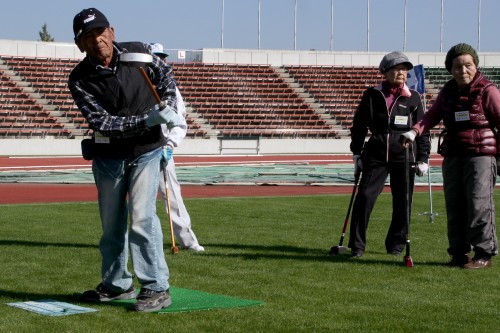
(169, 212)
(148, 81)
(346, 221)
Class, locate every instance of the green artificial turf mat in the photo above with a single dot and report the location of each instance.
(187, 300)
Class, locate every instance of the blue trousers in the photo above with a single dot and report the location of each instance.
(127, 190)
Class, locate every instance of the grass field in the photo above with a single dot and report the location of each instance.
(268, 249)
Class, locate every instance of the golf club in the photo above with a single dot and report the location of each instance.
(339, 249)
(175, 249)
(407, 261)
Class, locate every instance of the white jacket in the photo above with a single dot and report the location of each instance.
(178, 133)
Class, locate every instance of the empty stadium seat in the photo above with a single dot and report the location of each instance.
(239, 100)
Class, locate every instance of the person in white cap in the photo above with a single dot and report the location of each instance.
(181, 220)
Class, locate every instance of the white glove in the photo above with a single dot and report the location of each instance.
(162, 115)
(358, 163)
(407, 138)
(422, 169)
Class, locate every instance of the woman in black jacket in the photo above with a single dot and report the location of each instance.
(387, 111)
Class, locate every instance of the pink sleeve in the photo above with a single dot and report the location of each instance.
(432, 117)
(491, 106)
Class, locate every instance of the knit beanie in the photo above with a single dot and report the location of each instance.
(457, 50)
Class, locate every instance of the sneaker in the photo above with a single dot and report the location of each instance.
(196, 248)
(149, 300)
(103, 294)
(356, 254)
(459, 260)
(477, 263)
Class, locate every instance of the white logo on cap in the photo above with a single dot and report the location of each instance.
(90, 18)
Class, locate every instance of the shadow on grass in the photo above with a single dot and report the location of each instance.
(27, 296)
(303, 253)
(44, 244)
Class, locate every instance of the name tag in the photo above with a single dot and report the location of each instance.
(99, 138)
(401, 120)
(462, 116)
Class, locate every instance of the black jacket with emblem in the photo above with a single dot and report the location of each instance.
(386, 127)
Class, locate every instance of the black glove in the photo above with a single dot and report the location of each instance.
(498, 165)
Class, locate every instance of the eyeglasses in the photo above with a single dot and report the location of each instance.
(400, 69)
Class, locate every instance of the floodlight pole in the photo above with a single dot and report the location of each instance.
(258, 26)
(295, 27)
(367, 25)
(441, 37)
(331, 23)
(479, 26)
(222, 27)
(404, 20)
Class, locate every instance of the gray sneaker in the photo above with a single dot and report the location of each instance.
(149, 300)
(102, 294)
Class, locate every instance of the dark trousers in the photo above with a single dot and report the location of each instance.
(469, 183)
(371, 185)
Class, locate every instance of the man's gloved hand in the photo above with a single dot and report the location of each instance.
(358, 163)
(160, 114)
(407, 138)
(422, 169)
(166, 153)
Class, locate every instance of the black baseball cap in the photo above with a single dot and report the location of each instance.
(87, 20)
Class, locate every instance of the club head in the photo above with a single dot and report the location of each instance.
(136, 59)
(336, 250)
(408, 262)
(175, 250)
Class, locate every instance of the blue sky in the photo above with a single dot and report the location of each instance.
(196, 24)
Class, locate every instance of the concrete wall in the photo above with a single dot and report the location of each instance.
(39, 49)
(326, 58)
(68, 147)
(64, 147)
(249, 56)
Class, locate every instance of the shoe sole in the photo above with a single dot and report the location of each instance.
(160, 306)
(126, 296)
(121, 297)
(469, 266)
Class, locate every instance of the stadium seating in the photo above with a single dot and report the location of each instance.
(29, 112)
(223, 100)
(249, 100)
(22, 116)
(338, 89)
(48, 77)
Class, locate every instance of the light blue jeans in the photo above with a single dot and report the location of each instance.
(128, 188)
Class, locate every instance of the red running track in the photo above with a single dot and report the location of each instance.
(46, 193)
